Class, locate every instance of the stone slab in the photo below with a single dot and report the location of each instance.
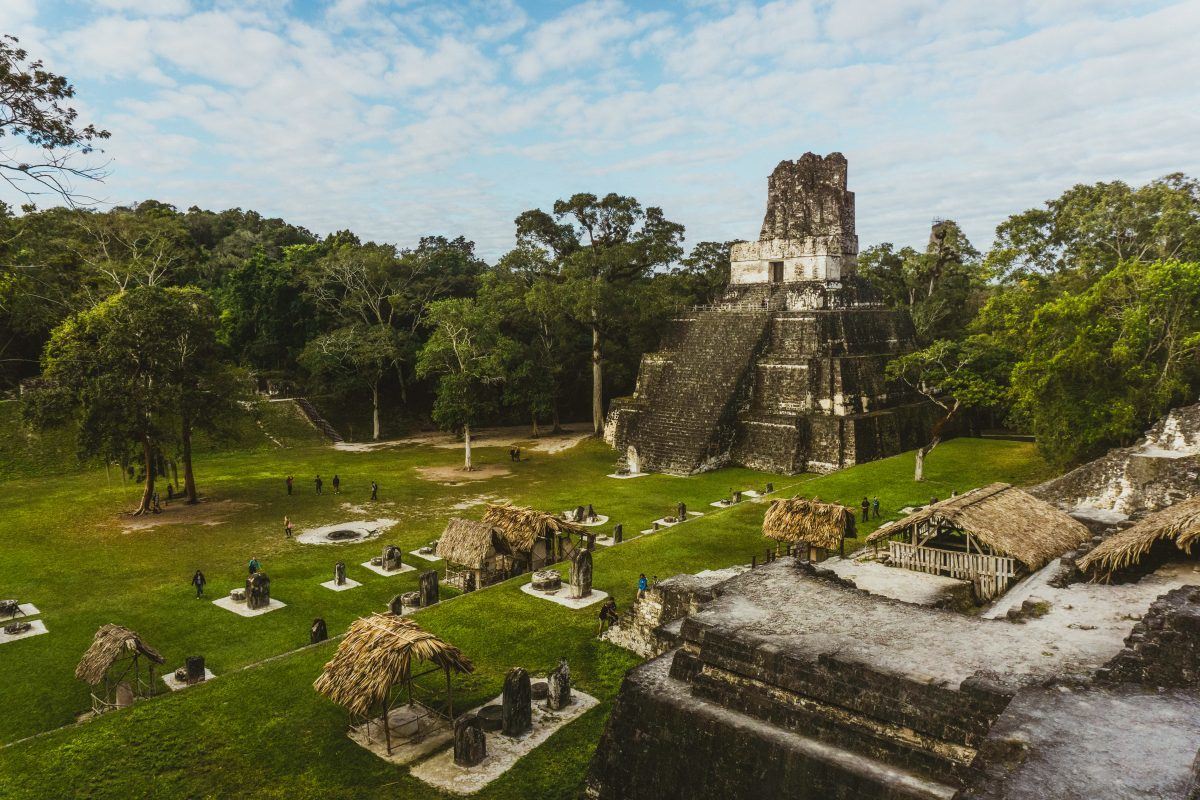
(37, 628)
(243, 611)
(333, 586)
(385, 573)
(721, 504)
(502, 751)
(627, 477)
(175, 686)
(435, 734)
(426, 556)
(562, 597)
(662, 522)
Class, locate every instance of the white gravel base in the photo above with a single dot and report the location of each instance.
(426, 556)
(599, 520)
(384, 572)
(25, 609)
(750, 493)
(175, 686)
(402, 720)
(37, 627)
(722, 504)
(605, 541)
(662, 523)
(368, 529)
(627, 477)
(333, 586)
(502, 751)
(563, 598)
(242, 610)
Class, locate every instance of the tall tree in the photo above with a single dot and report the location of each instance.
(1102, 364)
(603, 247)
(467, 352)
(356, 355)
(108, 366)
(941, 287)
(33, 107)
(954, 376)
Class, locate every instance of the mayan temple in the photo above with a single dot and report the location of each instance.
(785, 373)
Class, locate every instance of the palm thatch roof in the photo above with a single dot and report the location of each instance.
(811, 521)
(376, 654)
(1009, 521)
(111, 644)
(470, 544)
(521, 526)
(1179, 522)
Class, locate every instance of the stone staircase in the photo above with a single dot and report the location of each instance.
(691, 402)
(318, 422)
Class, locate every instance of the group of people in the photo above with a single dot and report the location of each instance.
(319, 485)
(870, 508)
(514, 453)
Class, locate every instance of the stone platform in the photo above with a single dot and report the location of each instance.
(178, 685)
(242, 610)
(563, 597)
(822, 690)
(332, 585)
(37, 627)
(381, 571)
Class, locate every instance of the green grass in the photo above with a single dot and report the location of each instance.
(263, 731)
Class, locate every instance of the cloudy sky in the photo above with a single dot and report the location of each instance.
(398, 119)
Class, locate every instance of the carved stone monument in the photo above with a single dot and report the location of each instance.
(429, 588)
(391, 558)
(258, 590)
(193, 670)
(618, 533)
(339, 573)
(547, 580)
(787, 373)
(558, 684)
(517, 702)
(681, 512)
(318, 632)
(581, 574)
(470, 742)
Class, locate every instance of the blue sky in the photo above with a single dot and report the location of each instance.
(398, 119)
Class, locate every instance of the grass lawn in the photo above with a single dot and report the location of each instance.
(259, 729)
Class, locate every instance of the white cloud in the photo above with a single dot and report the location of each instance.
(591, 33)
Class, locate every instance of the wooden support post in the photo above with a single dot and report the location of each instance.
(753, 561)
(449, 697)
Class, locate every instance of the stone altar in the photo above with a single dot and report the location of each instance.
(470, 742)
(785, 373)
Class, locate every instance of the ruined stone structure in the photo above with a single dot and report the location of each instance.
(786, 372)
(795, 683)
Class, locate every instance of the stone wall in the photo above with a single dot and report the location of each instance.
(652, 624)
(1163, 649)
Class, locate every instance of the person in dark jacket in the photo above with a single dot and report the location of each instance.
(198, 581)
(866, 507)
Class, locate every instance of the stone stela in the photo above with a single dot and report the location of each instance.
(785, 373)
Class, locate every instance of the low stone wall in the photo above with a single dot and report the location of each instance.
(1163, 649)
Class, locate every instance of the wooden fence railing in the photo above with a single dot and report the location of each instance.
(989, 574)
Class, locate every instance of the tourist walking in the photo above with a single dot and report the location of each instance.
(287, 528)
(374, 490)
(337, 484)
(289, 484)
(319, 483)
(608, 614)
(866, 507)
(512, 454)
(254, 565)
(198, 581)
(875, 507)
(518, 458)
(642, 584)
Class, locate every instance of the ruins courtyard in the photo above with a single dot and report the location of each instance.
(258, 727)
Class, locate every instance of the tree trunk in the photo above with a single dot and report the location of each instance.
(189, 479)
(554, 421)
(534, 431)
(148, 490)
(597, 385)
(467, 447)
(375, 411)
(919, 473)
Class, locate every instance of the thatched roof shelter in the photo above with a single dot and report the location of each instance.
(521, 527)
(470, 544)
(1178, 523)
(112, 644)
(809, 521)
(377, 654)
(1007, 520)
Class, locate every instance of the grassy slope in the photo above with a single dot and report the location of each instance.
(263, 731)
